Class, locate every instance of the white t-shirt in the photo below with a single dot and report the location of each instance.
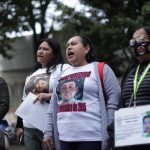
(41, 74)
(79, 117)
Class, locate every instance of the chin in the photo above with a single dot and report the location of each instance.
(39, 61)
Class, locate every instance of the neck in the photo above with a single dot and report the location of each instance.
(80, 65)
(43, 66)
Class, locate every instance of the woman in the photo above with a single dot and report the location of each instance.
(136, 80)
(50, 64)
(79, 122)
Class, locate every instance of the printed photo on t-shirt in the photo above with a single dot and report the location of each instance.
(69, 91)
(38, 84)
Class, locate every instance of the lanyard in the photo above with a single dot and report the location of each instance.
(137, 83)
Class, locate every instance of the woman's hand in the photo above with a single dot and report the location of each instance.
(43, 97)
(48, 142)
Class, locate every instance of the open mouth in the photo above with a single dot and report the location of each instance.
(70, 54)
(141, 50)
(40, 56)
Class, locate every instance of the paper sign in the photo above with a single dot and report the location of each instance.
(33, 113)
(132, 126)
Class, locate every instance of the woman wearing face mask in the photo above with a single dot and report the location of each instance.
(136, 80)
(83, 120)
(49, 65)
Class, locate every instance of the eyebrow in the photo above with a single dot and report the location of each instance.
(69, 43)
(75, 40)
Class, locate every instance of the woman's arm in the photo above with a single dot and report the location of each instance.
(113, 92)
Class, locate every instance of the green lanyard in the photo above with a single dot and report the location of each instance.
(137, 83)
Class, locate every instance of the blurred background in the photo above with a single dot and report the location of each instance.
(109, 24)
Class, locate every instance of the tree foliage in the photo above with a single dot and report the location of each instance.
(5, 26)
(25, 15)
(109, 24)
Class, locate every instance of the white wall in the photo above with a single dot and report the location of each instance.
(23, 57)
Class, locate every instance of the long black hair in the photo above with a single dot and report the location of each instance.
(147, 30)
(56, 49)
(90, 57)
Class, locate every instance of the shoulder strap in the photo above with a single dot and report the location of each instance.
(100, 70)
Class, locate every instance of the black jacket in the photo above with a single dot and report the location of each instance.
(4, 99)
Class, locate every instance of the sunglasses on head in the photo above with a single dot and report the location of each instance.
(132, 42)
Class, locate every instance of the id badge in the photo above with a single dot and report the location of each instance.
(132, 126)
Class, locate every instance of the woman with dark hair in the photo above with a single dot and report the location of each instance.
(50, 64)
(136, 80)
(81, 122)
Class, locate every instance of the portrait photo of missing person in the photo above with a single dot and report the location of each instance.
(70, 91)
(38, 84)
(146, 124)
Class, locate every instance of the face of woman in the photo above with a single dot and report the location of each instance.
(76, 52)
(142, 45)
(44, 54)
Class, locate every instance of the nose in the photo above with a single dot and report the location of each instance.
(40, 51)
(69, 48)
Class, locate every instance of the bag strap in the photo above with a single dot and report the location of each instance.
(100, 70)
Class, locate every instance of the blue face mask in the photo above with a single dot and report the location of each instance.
(140, 46)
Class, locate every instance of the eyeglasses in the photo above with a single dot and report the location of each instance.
(138, 40)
